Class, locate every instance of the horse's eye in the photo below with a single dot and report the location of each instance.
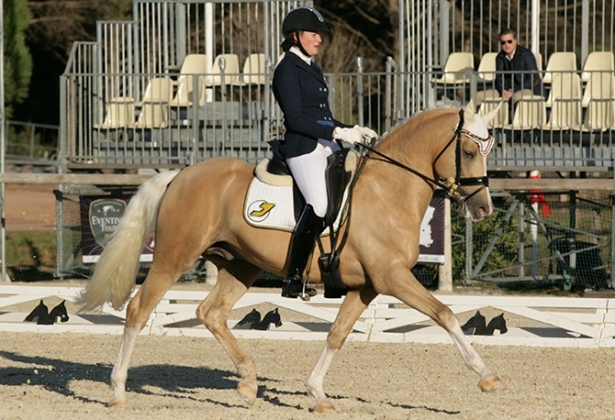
(468, 154)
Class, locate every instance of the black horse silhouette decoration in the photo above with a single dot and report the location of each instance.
(246, 323)
(478, 322)
(252, 321)
(43, 317)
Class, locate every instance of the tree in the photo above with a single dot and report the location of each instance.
(54, 27)
(57, 24)
(17, 58)
(365, 28)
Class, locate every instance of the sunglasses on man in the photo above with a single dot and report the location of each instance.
(507, 41)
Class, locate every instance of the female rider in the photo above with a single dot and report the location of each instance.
(311, 134)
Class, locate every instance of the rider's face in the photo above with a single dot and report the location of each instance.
(310, 41)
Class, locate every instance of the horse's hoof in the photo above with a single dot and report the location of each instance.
(491, 383)
(323, 407)
(248, 393)
(116, 403)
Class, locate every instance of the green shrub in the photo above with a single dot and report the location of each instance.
(504, 253)
(30, 255)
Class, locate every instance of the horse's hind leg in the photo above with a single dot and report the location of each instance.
(352, 307)
(234, 279)
(163, 274)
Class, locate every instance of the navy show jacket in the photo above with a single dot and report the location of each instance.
(302, 94)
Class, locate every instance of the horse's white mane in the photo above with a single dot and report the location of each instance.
(475, 127)
(421, 111)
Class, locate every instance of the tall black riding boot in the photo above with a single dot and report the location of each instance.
(308, 227)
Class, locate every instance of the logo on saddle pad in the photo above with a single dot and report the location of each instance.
(271, 206)
(259, 210)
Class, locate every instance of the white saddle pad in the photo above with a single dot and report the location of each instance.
(271, 207)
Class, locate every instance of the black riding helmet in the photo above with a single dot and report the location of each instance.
(301, 19)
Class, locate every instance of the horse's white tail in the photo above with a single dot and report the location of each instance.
(116, 271)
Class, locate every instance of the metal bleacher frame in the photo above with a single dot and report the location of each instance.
(233, 118)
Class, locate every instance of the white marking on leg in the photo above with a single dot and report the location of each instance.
(120, 370)
(470, 356)
(316, 379)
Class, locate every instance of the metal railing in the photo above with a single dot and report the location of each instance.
(571, 243)
(110, 77)
(222, 115)
(32, 145)
(568, 133)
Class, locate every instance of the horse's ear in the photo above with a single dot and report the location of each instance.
(468, 112)
(491, 114)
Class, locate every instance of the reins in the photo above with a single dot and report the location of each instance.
(449, 185)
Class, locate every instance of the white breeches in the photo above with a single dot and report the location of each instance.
(309, 174)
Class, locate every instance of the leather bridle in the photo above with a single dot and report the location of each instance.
(450, 185)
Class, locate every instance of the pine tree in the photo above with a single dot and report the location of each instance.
(17, 58)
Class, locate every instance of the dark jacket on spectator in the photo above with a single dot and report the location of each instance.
(524, 62)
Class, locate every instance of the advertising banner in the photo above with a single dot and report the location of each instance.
(100, 216)
(432, 232)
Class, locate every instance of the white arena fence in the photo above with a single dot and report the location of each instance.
(533, 321)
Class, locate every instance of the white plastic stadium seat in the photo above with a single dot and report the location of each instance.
(194, 64)
(253, 72)
(457, 69)
(231, 71)
(153, 115)
(530, 113)
(599, 116)
(597, 61)
(486, 67)
(158, 89)
(559, 62)
(599, 87)
(565, 101)
(565, 86)
(120, 113)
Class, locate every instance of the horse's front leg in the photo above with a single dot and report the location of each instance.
(403, 285)
(488, 380)
(352, 307)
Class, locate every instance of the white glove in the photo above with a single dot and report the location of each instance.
(349, 135)
(367, 133)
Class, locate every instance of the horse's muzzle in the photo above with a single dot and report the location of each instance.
(476, 205)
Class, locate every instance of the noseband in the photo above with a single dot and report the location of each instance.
(450, 185)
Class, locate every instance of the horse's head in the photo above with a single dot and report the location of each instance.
(498, 323)
(273, 317)
(60, 311)
(466, 174)
(478, 321)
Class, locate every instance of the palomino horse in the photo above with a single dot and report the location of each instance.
(200, 213)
